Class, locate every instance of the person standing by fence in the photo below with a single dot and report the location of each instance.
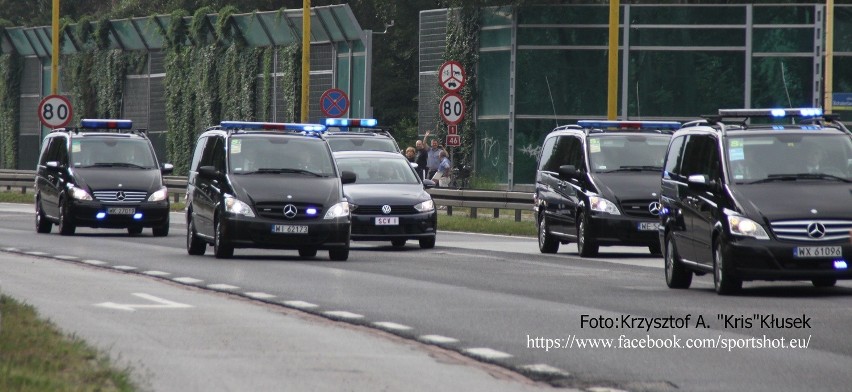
(433, 159)
(421, 157)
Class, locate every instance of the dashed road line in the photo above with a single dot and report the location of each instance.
(343, 314)
(187, 280)
(222, 286)
(437, 339)
(64, 257)
(33, 253)
(95, 262)
(391, 326)
(157, 273)
(124, 267)
(258, 295)
(300, 304)
(542, 368)
(486, 353)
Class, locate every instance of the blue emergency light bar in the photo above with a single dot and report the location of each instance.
(272, 126)
(629, 124)
(777, 113)
(99, 123)
(351, 122)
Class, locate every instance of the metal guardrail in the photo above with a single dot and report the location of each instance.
(464, 198)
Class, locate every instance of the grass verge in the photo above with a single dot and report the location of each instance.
(35, 356)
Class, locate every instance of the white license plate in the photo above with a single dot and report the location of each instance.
(387, 221)
(804, 252)
(649, 226)
(290, 229)
(121, 211)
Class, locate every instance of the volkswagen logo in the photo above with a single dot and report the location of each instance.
(290, 211)
(120, 196)
(386, 209)
(816, 230)
(655, 207)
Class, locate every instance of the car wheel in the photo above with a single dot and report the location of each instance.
(134, 230)
(546, 242)
(427, 243)
(824, 282)
(307, 252)
(655, 249)
(222, 247)
(398, 243)
(340, 254)
(723, 282)
(65, 225)
(586, 247)
(41, 223)
(677, 276)
(194, 246)
(161, 231)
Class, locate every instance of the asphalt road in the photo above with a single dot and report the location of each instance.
(497, 299)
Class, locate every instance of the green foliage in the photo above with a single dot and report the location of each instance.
(463, 46)
(11, 71)
(290, 63)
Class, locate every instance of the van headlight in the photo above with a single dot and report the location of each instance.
(78, 193)
(159, 195)
(425, 206)
(599, 204)
(746, 227)
(338, 210)
(237, 207)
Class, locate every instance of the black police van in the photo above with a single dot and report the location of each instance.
(758, 194)
(102, 174)
(598, 183)
(266, 185)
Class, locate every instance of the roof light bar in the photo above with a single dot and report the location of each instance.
(99, 123)
(777, 113)
(629, 124)
(351, 122)
(272, 126)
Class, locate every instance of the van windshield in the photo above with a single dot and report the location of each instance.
(255, 154)
(614, 153)
(789, 157)
(112, 152)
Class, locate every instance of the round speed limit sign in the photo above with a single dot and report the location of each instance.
(452, 108)
(54, 111)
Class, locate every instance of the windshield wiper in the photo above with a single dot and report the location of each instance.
(116, 164)
(799, 176)
(267, 170)
(635, 168)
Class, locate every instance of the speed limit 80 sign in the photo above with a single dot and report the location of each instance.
(452, 108)
(54, 111)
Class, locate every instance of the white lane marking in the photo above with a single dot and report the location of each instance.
(11, 249)
(437, 339)
(392, 326)
(543, 368)
(35, 253)
(95, 262)
(343, 314)
(187, 280)
(604, 389)
(63, 257)
(160, 304)
(156, 273)
(222, 286)
(300, 304)
(124, 267)
(259, 295)
(486, 353)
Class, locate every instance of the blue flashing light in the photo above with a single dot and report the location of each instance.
(664, 211)
(629, 124)
(351, 122)
(100, 215)
(337, 122)
(810, 112)
(98, 123)
(272, 126)
(311, 211)
(778, 127)
(137, 216)
(840, 264)
(777, 113)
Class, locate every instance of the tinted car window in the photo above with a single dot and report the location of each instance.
(379, 171)
(755, 157)
(702, 156)
(612, 152)
(568, 151)
(90, 152)
(196, 157)
(674, 158)
(362, 143)
(252, 154)
(546, 153)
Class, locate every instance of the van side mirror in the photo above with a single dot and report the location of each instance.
(700, 182)
(569, 171)
(209, 172)
(347, 177)
(167, 168)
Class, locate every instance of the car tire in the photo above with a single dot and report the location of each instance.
(427, 243)
(307, 252)
(398, 243)
(723, 281)
(66, 227)
(824, 282)
(546, 242)
(194, 246)
(339, 254)
(222, 247)
(677, 275)
(586, 247)
(41, 223)
(134, 230)
(655, 249)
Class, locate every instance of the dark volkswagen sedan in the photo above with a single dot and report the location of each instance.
(388, 201)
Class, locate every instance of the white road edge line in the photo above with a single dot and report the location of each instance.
(392, 326)
(437, 339)
(486, 353)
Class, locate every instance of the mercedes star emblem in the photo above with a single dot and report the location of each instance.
(386, 209)
(120, 196)
(290, 211)
(816, 230)
(655, 207)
